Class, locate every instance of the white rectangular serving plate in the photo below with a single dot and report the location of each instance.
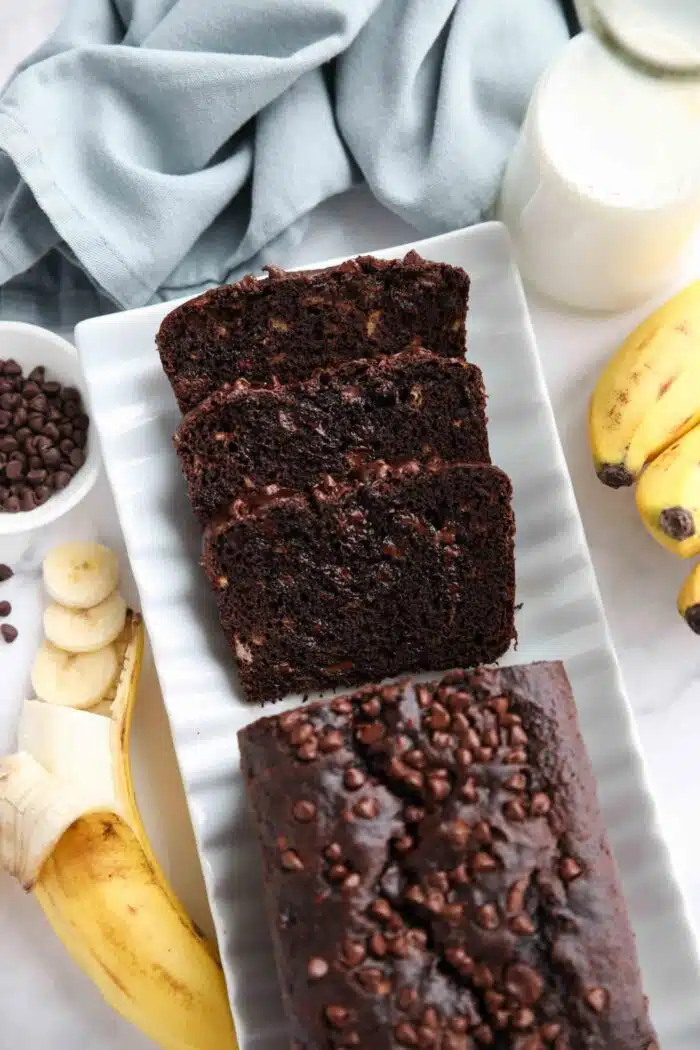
(561, 618)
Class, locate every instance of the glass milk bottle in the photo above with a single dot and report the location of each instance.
(602, 192)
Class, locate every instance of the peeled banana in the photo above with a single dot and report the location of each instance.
(71, 833)
(689, 599)
(668, 496)
(80, 575)
(648, 395)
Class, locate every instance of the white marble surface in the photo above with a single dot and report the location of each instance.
(44, 1001)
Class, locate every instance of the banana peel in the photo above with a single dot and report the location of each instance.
(668, 496)
(647, 394)
(79, 845)
(689, 599)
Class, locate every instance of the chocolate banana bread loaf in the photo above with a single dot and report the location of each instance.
(292, 324)
(437, 871)
(413, 404)
(409, 567)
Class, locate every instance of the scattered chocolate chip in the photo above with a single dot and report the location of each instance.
(333, 852)
(5, 609)
(8, 632)
(403, 844)
(516, 782)
(481, 833)
(301, 733)
(377, 945)
(367, 808)
(540, 804)
(337, 1016)
(569, 869)
(523, 1018)
(304, 811)
(317, 968)
(308, 751)
(487, 917)
(337, 872)
(406, 1034)
(597, 999)
(514, 810)
(482, 862)
(353, 779)
(371, 733)
(5, 573)
(550, 1031)
(407, 997)
(524, 984)
(329, 741)
(352, 953)
(414, 814)
(351, 883)
(291, 861)
(483, 1034)
(381, 909)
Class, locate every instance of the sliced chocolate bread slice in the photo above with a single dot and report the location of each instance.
(412, 405)
(292, 324)
(410, 569)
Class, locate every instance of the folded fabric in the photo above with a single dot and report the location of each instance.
(153, 147)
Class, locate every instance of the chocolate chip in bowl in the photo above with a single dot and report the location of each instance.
(48, 455)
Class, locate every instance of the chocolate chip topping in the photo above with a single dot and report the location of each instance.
(451, 902)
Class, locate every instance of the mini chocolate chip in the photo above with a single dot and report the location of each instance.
(518, 736)
(41, 494)
(79, 438)
(66, 446)
(5, 419)
(301, 733)
(372, 707)
(77, 458)
(366, 808)
(11, 505)
(482, 862)
(487, 917)
(341, 706)
(514, 810)
(381, 909)
(333, 852)
(36, 423)
(337, 1016)
(453, 912)
(11, 368)
(458, 958)
(28, 501)
(8, 443)
(439, 787)
(304, 811)
(291, 861)
(439, 718)
(317, 968)
(352, 953)
(371, 733)
(490, 739)
(5, 573)
(455, 1041)
(308, 751)
(350, 1039)
(328, 741)
(540, 804)
(38, 404)
(481, 833)
(569, 869)
(457, 831)
(470, 792)
(70, 393)
(551, 1030)
(459, 875)
(50, 388)
(337, 872)
(523, 1018)
(14, 470)
(463, 756)
(37, 374)
(597, 999)
(8, 632)
(524, 984)
(427, 1039)
(37, 477)
(414, 814)
(435, 902)
(351, 883)
(5, 609)
(518, 757)
(399, 946)
(516, 782)
(442, 740)
(403, 844)
(288, 720)
(484, 1035)
(406, 1034)
(353, 778)
(516, 897)
(378, 945)
(407, 997)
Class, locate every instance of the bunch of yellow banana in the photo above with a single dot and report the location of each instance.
(70, 829)
(644, 427)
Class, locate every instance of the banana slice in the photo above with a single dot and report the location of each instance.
(73, 679)
(85, 630)
(80, 575)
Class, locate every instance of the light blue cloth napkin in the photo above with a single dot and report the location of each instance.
(154, 147)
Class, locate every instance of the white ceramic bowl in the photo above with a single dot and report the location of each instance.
(30, 346)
